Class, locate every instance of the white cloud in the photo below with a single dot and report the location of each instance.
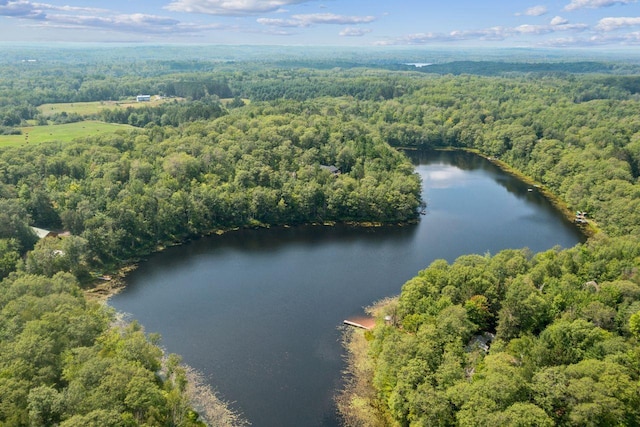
(316, 18)
(611, 24)
(532, 29)
(633, 38)
(494, 33)
(70, 17)
(558, 20)
(31, 10)
(354, 32)
(547, 29)
(21, 9)
(497, 33)
(45, 6)
(415, 39)
(534, 11)
(489, 34)
(135, 23)
(630, 39)
(624, 39)
(594, 4)
(330, 18)
(230, 7)
(275, 22)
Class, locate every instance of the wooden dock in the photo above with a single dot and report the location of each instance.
(361, 322)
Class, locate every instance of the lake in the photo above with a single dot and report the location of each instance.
(259, 312)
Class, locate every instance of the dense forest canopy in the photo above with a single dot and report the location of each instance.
(238, 143)
(513, 339)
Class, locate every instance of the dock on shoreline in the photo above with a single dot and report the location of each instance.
(361, 322)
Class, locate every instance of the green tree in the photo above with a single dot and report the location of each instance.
(478, 311)
(524, 309)
(522, 414)
(9, 256)
(634, 324)
(45, 405)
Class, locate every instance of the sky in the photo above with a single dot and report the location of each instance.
(606, 24)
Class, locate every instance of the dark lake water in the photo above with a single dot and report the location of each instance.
(259, 311)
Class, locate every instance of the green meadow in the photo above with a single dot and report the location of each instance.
(66, 132)
(93, 108)
(81, 108)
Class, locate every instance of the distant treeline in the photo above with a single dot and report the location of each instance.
(494, 68)
(296, 86)
(171, 114)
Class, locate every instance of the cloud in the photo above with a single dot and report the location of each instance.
(354, 32)
(230, 7)
(594, 4)
(625, 39)
(316, 18)
(275, 22)
(558, 20)
(70, 17)
(330, 18)
(20, 9)
(135, 23)
(596, 40)
(45, 6)
(534, 11)
(497, 33)
(532, 29)
(412, 39)
(494, 33)
(611, 24)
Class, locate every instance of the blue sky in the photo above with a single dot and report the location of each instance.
(488, 23)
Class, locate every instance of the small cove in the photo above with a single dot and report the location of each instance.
(258, 312)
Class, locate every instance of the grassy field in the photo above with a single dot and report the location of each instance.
(64, 133)
(92, 108)
(226, 101)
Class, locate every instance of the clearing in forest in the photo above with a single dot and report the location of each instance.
(93, 108)
(65, 133)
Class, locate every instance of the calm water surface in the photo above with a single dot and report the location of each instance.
(259, 311)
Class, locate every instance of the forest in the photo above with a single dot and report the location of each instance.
(258, 145)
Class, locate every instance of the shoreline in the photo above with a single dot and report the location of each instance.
(356, 401)
(589, 229)
(356, 374)
(102, 290)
